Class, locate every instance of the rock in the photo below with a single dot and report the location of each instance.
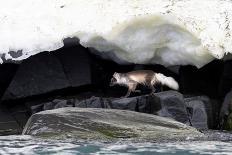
(167, 104)
(172, 106)
(20, 113)
(76, 63)
(197, 112)
(49, 72)
(37, 75)
(228, 123)
(7, 72)
(57, 103)
(93, 102)
(226, 109)
(8, 123)
(34, 106)
(106, 124)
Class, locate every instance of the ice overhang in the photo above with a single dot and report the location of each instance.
(167, 32)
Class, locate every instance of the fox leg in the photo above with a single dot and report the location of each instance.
(152, 88)
(131, 88)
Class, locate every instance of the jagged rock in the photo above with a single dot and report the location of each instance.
(93, 102)
(57, 103)
(167, 104)
(49, 72)
(106, 124)
(37, 75)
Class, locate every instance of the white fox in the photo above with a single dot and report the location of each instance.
(144, 77)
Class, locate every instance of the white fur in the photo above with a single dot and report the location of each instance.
(168, 81)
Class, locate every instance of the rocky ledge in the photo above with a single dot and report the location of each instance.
(106, 125)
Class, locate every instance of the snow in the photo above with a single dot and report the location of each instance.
(167, 32)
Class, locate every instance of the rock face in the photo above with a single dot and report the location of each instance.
(106, 124)
(47, 72)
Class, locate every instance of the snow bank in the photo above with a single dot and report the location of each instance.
(168, 32)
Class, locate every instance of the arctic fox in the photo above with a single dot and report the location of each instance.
(144, 77)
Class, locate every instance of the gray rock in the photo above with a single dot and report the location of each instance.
(200, 111)
(167, 104)
(107, 125)
(57, 103)
(172, 106)
(93, 102)
(226, 108)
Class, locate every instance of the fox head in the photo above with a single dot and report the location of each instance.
(115, 79)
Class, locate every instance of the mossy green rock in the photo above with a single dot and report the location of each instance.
(106, 125)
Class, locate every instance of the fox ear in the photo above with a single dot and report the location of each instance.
(115, 74)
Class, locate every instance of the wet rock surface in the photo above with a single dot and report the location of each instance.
(106, 125)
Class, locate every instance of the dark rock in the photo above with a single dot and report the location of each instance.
(57, 103)
(76, 63)
(228, 123)
(166, 104)
(201, 111)
(172, 105)
(126, 103)
(34, 107)
(37, 75)
(93, 102)
(106, 125)
(226, 109)
(8, 124)
(20, 113)
(7, 72)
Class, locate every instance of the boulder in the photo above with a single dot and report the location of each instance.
(107, 125)
(57, 103)
(172, 105)
(7, 72)
(167, 104)
(200, 112)
(76, 64)
(226, 109)
(49, 72)
(37, 75)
